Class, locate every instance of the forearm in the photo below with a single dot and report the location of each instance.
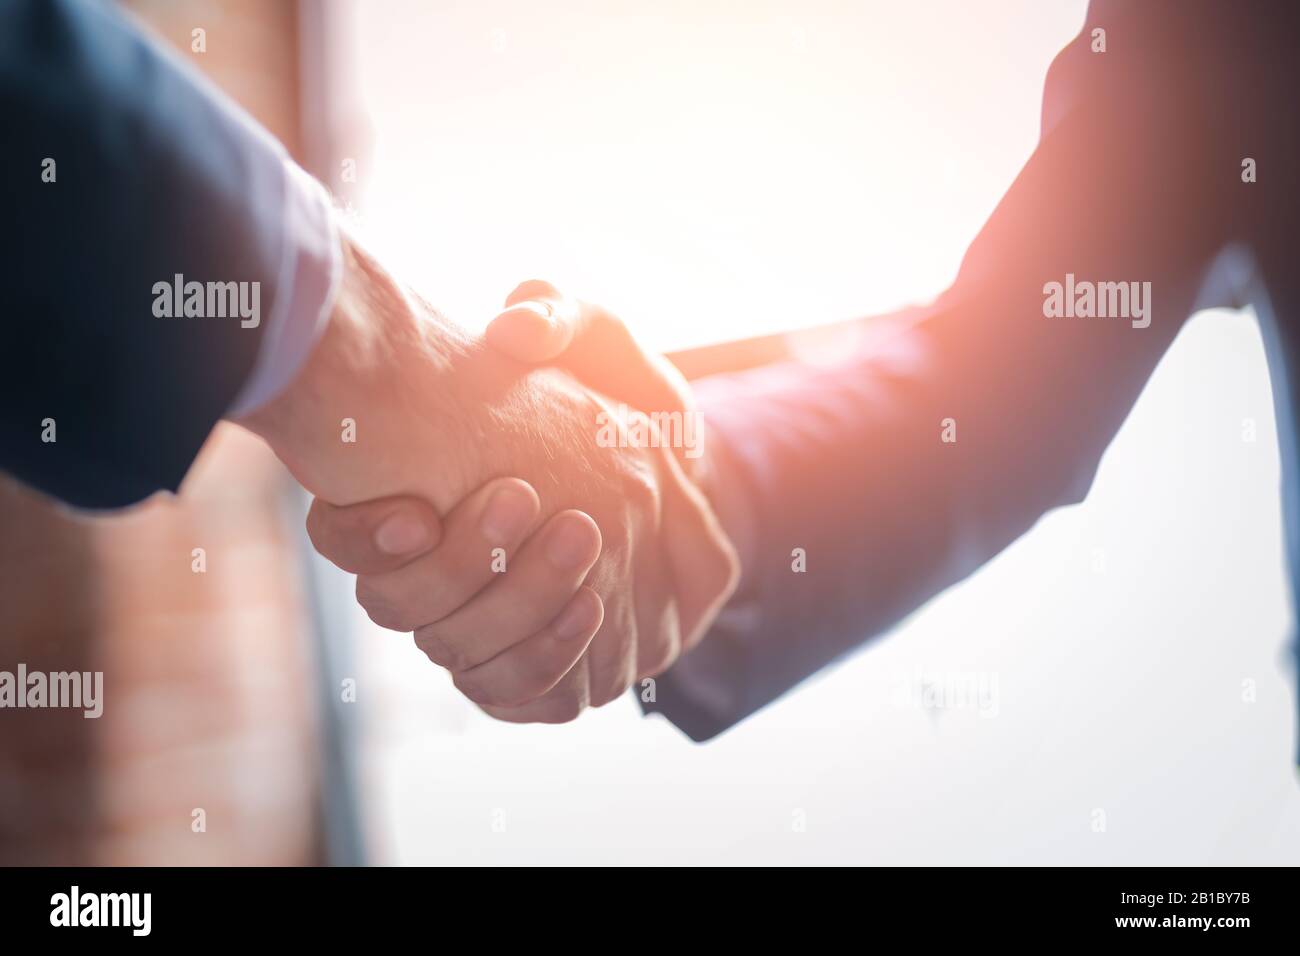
(876, 485)
(395, 399)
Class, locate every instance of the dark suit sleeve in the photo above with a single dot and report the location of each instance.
(155, 174)
(1136, 178)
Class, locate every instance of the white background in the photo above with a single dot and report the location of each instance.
(716, 169)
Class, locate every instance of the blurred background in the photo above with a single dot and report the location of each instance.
(1111, 689)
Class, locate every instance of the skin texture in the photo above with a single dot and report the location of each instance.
(540, 325)
(614, 542)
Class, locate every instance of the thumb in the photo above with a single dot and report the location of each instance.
(538, 324)
(543, 326)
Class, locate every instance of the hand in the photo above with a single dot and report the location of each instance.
(434, 415)
(542, 326)
(536, 611)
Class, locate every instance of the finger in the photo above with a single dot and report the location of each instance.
(373, 537)
(561, 704)
(539, 582)
(704, 565)
(612, 657)
(533, 667)
(658, 628)
(607, 357)
(537, 325)
(541, 325)
(478, 537)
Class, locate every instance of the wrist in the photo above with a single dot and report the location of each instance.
(327, 425)
(719, 476)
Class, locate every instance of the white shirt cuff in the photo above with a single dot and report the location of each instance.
(310, 269)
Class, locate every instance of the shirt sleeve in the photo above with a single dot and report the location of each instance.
(309, 280)
(130, 180)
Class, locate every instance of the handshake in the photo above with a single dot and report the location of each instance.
(543, 543)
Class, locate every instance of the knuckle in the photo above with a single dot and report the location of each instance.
(657, 662)
(535, 609)
(640, 491)
(614, 679)
(611, 692)
(477, 692)
(380, 609)
(315, 528)
(449, 584)
(564, 703)
(322, 533)
(529, 680)
(567, 708)
(439, 649)
(387, 618)
(534, 681)
(367, 592)
(486, 695)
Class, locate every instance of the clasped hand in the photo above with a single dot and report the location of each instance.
(572, 569)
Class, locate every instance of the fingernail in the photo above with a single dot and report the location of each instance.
(574, 621)
(530, 309)
(508, 514)
(569, 544)
(401, 534)
(524, 318)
